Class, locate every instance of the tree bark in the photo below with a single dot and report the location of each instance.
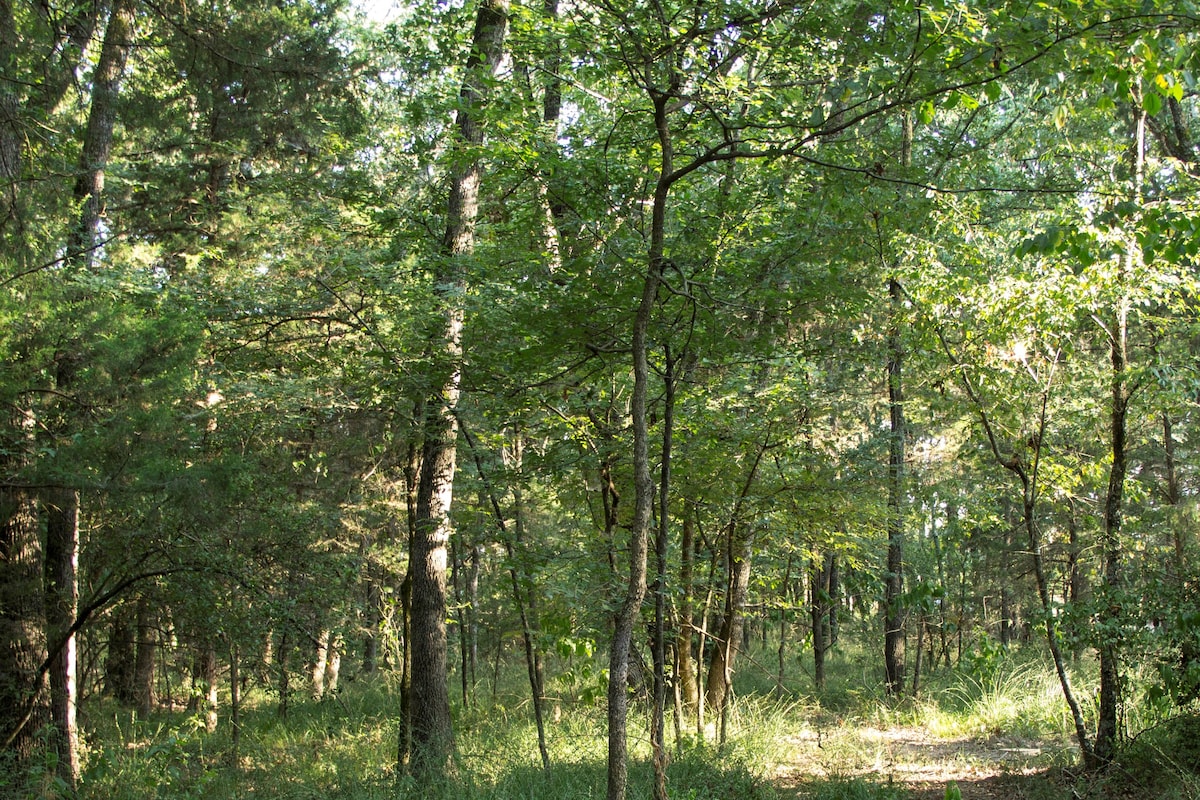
(24, 98)
(432, 730)
(1108, 723)
(144, 697)
(22, 635)
(720, 669)
(61, 584)
(893, 619)
(643, 480)
(119, 659)
(818, 587)
(102, 118)
(685, 669)
(659, 643)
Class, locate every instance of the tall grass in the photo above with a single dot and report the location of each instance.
(344, 747)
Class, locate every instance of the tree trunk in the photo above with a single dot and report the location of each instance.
(144, 659)
(1108, 724)
(372, 621)
(785, 600)
(102, 118)
(817, 587)
(45, 85)
(685, 669)
(893, 620)
(835, 590)
(119, 660)
(527, 604)
(432, 730)
(204, 683)
(659, 640)
(61, 584)
(22, 635)
(235, 705)
(720, 670)
(643, 480)
(319, 663)
(284, 677)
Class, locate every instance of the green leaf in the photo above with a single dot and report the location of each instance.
(1152, 103)
(925, 112)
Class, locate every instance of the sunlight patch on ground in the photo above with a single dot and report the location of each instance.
(909, 755)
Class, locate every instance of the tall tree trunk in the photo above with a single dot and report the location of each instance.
(472, 631)
(1025, 465)
(527, 603)
(893, 618)
(432, 730)
(659, 644)
(643, 480)
(235, 704)
(460, 619)
(61, 504)
(1108, 724)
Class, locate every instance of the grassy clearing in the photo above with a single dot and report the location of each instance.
(849, 743)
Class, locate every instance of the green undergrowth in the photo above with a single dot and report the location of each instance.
(345, 748)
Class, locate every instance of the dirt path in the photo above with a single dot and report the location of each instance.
(991, 768)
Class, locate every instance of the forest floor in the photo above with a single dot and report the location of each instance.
(914, 761)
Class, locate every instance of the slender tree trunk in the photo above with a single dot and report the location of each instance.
(893, 621)
(235, 705)
(432, 730)
(658, 708)
(784, 625)
(472, 631)
(204, 683)
(817, 583)
(284, 677)
(61, 557)
(528, 605)
(720, 670)
(372, 620)
(61, 584)
(685, 669)
(643, 480)
(1108, 723)
(835, 590)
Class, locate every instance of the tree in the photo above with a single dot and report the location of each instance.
(430, 709)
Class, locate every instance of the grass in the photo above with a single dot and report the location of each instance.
(847, 743)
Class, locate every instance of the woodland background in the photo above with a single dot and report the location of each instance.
(627, 348)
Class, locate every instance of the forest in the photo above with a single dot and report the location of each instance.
(599, 398)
